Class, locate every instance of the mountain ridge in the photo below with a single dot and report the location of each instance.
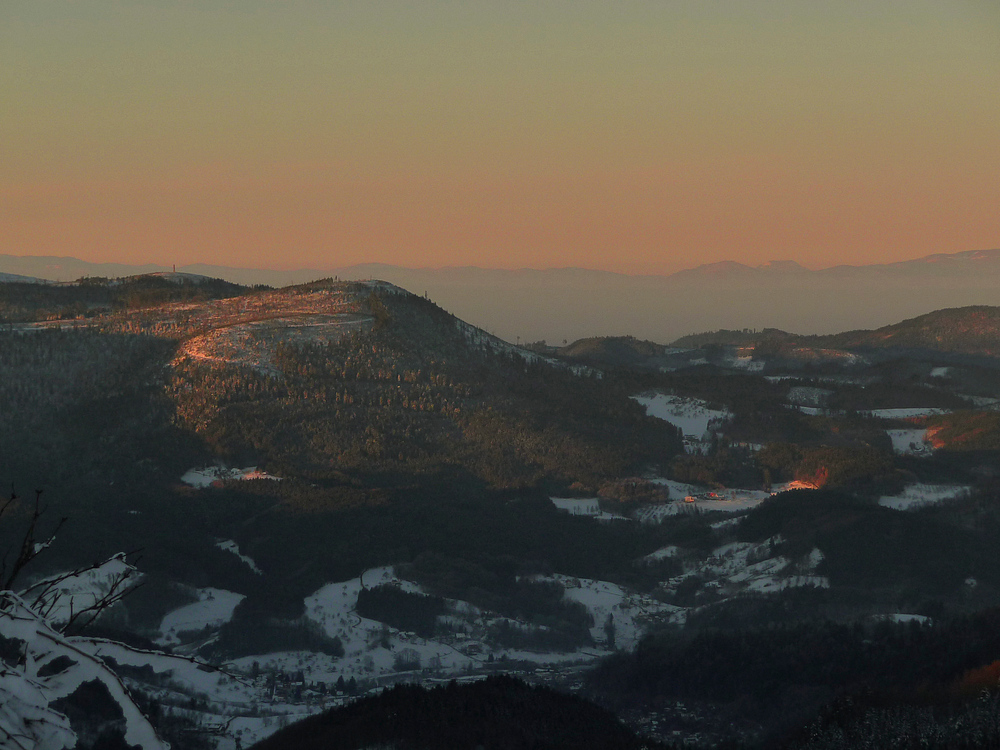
(560, 305)
(974, 329)
(50, 266)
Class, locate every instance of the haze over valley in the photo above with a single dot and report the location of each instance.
(570, 303)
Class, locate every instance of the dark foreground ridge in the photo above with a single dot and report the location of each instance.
(498, 713)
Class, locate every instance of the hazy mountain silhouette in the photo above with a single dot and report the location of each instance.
(572, 303)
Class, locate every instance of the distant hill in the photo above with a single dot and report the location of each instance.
(572, 303)
(13, 278)
(24, 299)
(725, 337)
(613, 351)
(973, 330)
(498, 713)
(357, 382)
(965, 330)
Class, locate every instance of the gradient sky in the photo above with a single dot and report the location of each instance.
(624, 135)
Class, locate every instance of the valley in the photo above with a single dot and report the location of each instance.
(329, 489)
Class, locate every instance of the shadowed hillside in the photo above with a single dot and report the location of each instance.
(499, 713)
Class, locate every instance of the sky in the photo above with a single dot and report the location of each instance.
(626, 135)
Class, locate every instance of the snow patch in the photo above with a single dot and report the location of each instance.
(215, 475)
(909, 442)
(691, 415)
(214, 609)
(230, 546)
(663, 553)
(631, 613)
(921, 495)
(65, 594)
(589, 506)
(910, 413)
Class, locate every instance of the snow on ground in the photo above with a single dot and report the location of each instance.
(745, 362)
(213, 609)
(191, 676)
(663, 553)
(804, 395)
(747, 566)
(333, 608)
(691, 415)
(679, 490)
(589, 506)
(366, 655)
(251, 339)
(632, 613)
(981, 402)
(770, 585)
(812, 411)
(71, 592)
(902, 617)
(795, 484)
(919, 495)
(910, 413)
(727, 524)
(725, 501)
(230, 546)
(485, 341)
(909, 442)
(30, 691)
(210, 475)
(940, 372)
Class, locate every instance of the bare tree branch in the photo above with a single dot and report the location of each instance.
(30, 547)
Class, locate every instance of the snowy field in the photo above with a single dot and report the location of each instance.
(903, 617)
(909, 442)
(679, 490)
(372, 649)
(213, 609)
(812, 411)
(631, 613)
(744, 566)
(252, 342)
(804, 395)
(588, 506)
(210, 475)
(230, 546)
(920, 495)
(691, 415)
(663, 553)
(65, 594)
(333, 608)
(728, 501)
(911, 413)
(744, 362)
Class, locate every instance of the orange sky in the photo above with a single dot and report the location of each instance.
(630, 136)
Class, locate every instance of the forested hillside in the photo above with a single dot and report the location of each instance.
(22, 302)
(413, 394)
(973, 330)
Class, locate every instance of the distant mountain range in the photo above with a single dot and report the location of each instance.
(565, 304)
(972, 330)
